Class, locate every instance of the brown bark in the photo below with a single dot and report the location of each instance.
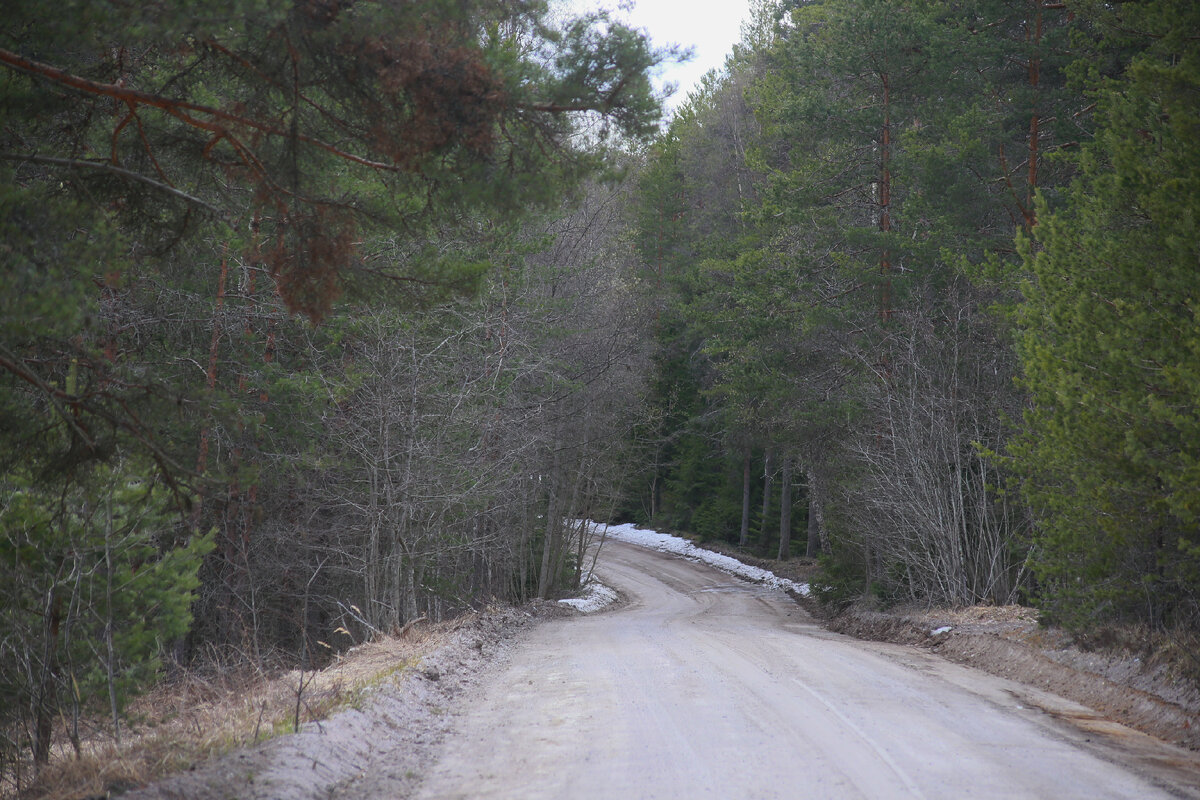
(1034, 29)
(1035, 76)
(218, 122)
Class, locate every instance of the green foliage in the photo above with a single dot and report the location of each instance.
(811, 213)
(839, 580)
(183, 188)
(813, 244)
(703, 491)
(49, 278)
(97, 580)
(1110, 350)
(718, 516)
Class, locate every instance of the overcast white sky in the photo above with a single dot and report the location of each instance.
(712, 27)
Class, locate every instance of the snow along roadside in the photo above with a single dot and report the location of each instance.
(597, 596)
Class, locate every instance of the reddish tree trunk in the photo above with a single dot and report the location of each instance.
(1035, 77)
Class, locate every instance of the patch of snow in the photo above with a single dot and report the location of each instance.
(940, 631)
(666, 543)
(595, 597)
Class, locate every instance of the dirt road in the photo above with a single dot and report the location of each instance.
(705, 686)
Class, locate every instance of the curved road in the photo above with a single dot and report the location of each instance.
(705, 686)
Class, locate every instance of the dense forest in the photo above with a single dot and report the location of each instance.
(927, 286)
(322, 316)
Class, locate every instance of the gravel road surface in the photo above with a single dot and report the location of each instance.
(702, 685)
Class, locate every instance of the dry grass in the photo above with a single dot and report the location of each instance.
(984, 613)
(206, 714)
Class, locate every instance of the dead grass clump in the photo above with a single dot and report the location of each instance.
(985, 613)
(208, 712)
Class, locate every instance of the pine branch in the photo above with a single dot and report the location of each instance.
(105, 166)
(178, 108)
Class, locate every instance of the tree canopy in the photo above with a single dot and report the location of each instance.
(953, 283)
(275, 303)
(323, 316)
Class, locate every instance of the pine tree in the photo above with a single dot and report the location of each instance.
(1109, 344)
(183, 189)
(97, 580)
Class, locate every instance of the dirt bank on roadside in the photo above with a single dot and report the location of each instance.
(379, 746)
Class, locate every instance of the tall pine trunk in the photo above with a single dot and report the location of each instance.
(785, 510)
(1035, 80)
